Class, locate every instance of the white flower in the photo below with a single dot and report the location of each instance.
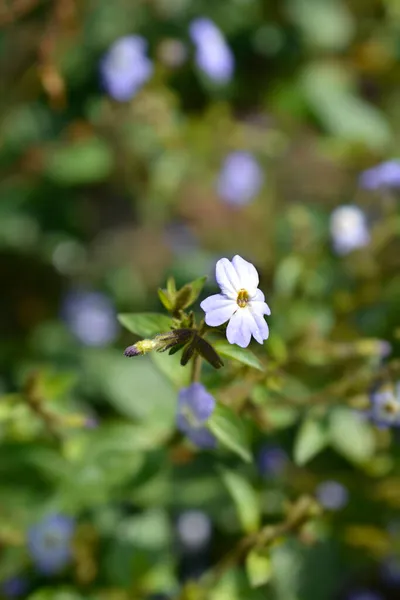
(240, 302)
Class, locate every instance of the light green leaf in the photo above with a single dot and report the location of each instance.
(165, 299)
(243, 355)
(82, 162)
(246, 499)
(351, 435)
(170, 366)
(258, 568)
(189, 293)
(230, 430)
(311, 438)
(145, 325)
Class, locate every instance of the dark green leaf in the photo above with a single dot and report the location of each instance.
(145, 325)
(230, 430)
(187, 354)
(208, 353)
(243, 355)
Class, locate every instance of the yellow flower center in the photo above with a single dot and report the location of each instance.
(391, 407)
(243, 298)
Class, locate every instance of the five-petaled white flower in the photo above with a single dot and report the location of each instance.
(240, 302)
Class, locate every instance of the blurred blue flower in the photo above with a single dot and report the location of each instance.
(332, 495)
(390, 570)
(364, 595)
(385, 406)
(240, 179)
(272, 460)
(384, 175)
(213, 55)
(14, 587)
(125, 68)
(349, 229)
(91, 317)
(195, 406)
(49, 543)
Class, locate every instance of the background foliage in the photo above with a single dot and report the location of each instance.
(101, 201)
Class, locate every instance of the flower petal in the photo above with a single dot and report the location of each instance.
(259, 308)
(247, 274)
(239, 328)
(202, 438)
(260, 329)
(218, 309)
(202, 403)
(227, 278)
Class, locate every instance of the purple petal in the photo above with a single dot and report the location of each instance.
(247, 273)
(202, 438)
(239, 328)
(227, 278)
(240, 179)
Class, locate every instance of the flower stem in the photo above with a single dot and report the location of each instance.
(196, 368)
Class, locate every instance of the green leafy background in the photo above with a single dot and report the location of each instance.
(118, 198)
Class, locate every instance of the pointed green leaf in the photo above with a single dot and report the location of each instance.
(230, 430)
(187, 354)
(243, 355)
(351, 435)
(189, 293)
(258, 568)
(245, 497)
(165, 299)
(145, 325)
(311, 438)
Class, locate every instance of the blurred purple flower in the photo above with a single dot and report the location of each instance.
(49, 543)
(349, 229)
(384, 175)
(14, 587)
(213, 55)
(195, 406)
(272, 460)
(91, 317)
(125, 68)
(385, 407)
(240, 179)
(332, 495)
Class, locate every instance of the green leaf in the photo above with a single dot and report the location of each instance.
(243, 355)
(311, 438)
(189, 293)
(245, 497)
(208, 352)
(82, 162)
(351, 435)
(258, 568)
(165, 299)
(145, 325)
(230, 430)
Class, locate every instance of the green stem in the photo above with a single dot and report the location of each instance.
(196, 368)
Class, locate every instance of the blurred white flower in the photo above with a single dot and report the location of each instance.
(194, 529)
(349, 229)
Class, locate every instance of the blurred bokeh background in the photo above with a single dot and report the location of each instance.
(146, 139)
